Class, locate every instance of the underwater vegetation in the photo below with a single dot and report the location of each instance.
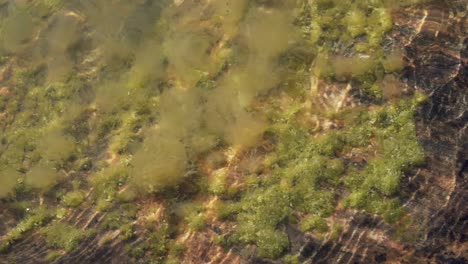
(209, 108)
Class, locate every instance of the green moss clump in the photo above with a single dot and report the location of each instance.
(177, 249)
(53, 255)
(37, 218)
(192, 213)
(107, 184)
(74, 199)
(64, 236)
(196, 222)
(379, 22)
(108, 125)
(360, 26)
(271, 243)
(126, 232)
(218, 183)
(260, 214)
(337, 21)
(226, 210)
(291, 259)
(315, 223)
(356, 22)
(398, 151)
(125, 140)
(336, 231)
(305, 170)
(121, 218)
(155, 248)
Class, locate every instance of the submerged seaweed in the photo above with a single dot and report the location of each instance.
(211, 112)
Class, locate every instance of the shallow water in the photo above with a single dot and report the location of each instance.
(252, 103)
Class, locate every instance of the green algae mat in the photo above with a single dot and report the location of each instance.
(204, 131)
